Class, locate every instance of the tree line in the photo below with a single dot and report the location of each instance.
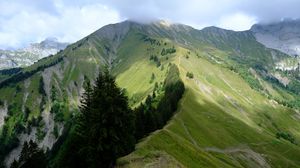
(20, 75)
(150, 117)
(106, 128)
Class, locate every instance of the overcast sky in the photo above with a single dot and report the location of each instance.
(26, 21)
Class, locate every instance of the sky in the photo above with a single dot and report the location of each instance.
(27, 21)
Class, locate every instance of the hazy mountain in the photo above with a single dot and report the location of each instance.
(28, 55)
(239, 109)
(284, 35)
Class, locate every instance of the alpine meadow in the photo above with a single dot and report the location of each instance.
(155, 94)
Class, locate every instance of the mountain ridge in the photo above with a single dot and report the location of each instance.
(284, 35)
(233, 84)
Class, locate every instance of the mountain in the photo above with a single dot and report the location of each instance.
(283, 36)
(238, 110)
(28, 55)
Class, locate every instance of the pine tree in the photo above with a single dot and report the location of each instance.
(14, 164)
(31, 157)
(140, 122)
(85, 109)
(106, 124)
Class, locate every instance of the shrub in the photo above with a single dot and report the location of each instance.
(287, 136)
(190, 75)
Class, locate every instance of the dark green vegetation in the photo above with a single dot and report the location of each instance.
(5, 73)
(154, 113)
(31, 157)
(107, 128)
(22, 75)
(168, 51)
(287, 136)
(104, 129)
(190, 75)
(238, 108)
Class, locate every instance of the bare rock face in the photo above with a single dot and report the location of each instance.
(28, 55)
(3, 113)
(283, 36)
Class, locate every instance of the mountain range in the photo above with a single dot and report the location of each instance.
(283, 36)
(240, 107)
(28, 55)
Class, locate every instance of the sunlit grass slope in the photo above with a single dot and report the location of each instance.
(221, 122)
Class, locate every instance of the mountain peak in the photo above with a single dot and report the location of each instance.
(28, 55)
(163, 23)
(51, 42)
(283, 35)
(50, 39)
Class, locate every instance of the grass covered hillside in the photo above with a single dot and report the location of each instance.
(221, 122)
(238, 108)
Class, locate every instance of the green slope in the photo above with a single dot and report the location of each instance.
(221, 122)
(227, 118)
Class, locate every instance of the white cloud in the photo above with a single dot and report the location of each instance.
(81, 21)
(24, 21)
(237, 21)
(70, 24)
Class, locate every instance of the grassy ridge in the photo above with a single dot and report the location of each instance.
(221, 122)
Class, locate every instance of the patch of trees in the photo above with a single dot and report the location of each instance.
(35, 121)
(152, 77)
(245, 73)
(18, 89)
(150, 40)
(7, 144)
(168, 51)
(79, 44)
(26, 114)
(58, 109)
(294, 86)
(190, 75)
(22, 75)
(104, 127)
(233, 68)
(249, 78)
(63, 138)
(10, 71)
(287, 136)
(13, 109)
(43, 93)
(155, 59)
(31, 157)
(9, 133)
(41, 87)
(41, 132)
(150, 117)
(55, 131)
(273, 80)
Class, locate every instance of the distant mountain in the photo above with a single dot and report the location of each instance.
(26, 56)
(238, 110)
(283, 36)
